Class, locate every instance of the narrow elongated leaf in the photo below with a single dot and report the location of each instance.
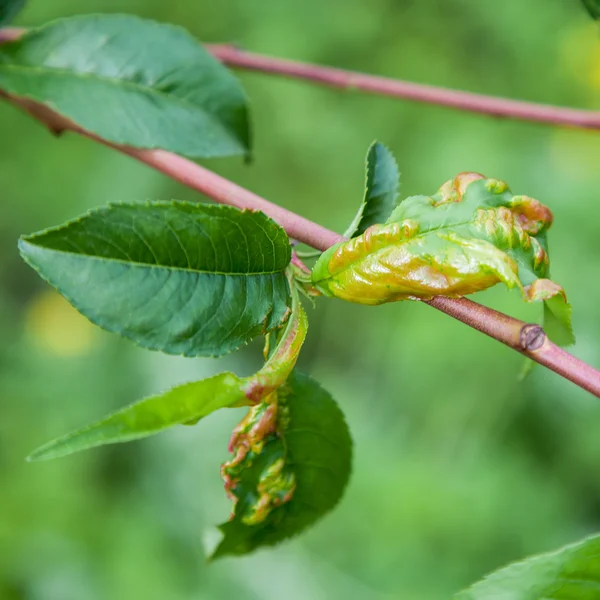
(182, 404)
(131, 81)
(571, 573)
(188, 403)
(9, 10)
(183, 278)
(381, 190)
(292, 461)
(472, 234)
(593, 7)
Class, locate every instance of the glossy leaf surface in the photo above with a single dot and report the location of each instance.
(183, 278)
(571, 573)
(381, 190)
(291, 464)
(131, 81)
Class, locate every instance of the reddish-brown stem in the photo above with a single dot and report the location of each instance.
(528, 339)
(384, 86)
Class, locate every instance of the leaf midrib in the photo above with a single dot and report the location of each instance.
(150, 265)
(42, 70)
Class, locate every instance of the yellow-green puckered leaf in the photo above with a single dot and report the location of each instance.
(182, 404)
(131, 81)
(593, 7)
(188, 403)
(381, 190)
(183, 278)
(470, 235)
(292, 460)
(571, 573)
(9, 9)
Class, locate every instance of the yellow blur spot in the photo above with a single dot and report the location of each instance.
(579, 54)
(57, 327)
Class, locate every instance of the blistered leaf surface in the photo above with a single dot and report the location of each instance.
(291, 463)
(472, 234)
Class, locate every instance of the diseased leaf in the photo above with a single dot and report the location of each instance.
(381, 190)
(183, 278)
(470, 235)
(571, 573)
(557, 311)
(9, 10)
(144, 84)
(593, 7)
(187, 404)
(291, 464)
(182, 404)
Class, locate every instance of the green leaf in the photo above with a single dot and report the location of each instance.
(291, 465)
(9, 10)
(556, 313)
(571, 573)
(183, 278)
(593, 7)
(381, 190)
(557, 321)
(188, 403)
(182, 404)
(470, 235)
(131, 81)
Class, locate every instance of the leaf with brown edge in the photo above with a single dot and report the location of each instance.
(292, 461)
(470, 235)
(557, 311)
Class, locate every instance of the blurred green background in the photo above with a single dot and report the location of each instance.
(459, 468)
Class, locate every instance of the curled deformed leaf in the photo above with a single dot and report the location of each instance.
(186, 404)
(182, 278)
(381, 190)
(291, 463)
(472, 234)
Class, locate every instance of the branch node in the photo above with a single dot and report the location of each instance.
(531, 337)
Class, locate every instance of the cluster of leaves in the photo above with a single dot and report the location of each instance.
(203, 280)
(471, 234)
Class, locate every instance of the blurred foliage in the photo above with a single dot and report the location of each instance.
(459, 468)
